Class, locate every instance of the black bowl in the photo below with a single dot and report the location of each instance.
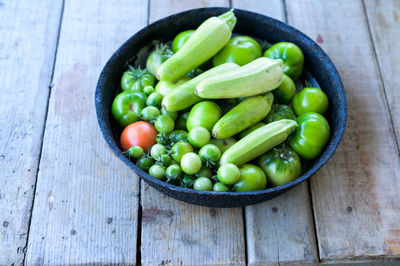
(135, 50)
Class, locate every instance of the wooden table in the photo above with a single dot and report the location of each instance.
(66, 199)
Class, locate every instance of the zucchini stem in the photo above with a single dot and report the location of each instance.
(229, 18)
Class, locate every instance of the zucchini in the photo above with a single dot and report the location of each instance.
(259, 76)
(247, 113)
(258, 142)
(183, 96)
(205, 42)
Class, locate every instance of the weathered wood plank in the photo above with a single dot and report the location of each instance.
(384, 22)
(281, 230)
(356, 195)
(28, 42)
(86, 201)
(177, 233)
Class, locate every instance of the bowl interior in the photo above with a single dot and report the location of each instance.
(320, 72)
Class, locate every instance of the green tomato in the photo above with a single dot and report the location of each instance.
(247, 131)
(173, 114)
(228, 174)
(154, 99)
(157, 150)
(310, 136)
(310, 100)
(252, 178)
(179, 149)
(181, 121)
(187, 181)
(203, 114)
(210, 155)
(135, 151)
(165, 160)
(203, 183)
(164, 124)
(157, 171)
(220, 187)
(190, 163)
(136, 79)
(204, 172)
(199, 136)
(173, 173)
(279, 112)
(148, 90)
(223, 144)
(127, 106)
(281, 165)
(177, 136)
(164, 87)
(285, 92)
(180, 39)
(157, 57)
(240, 50)
(163, 139)
(150, 113)
(292, 56)
(145, 162)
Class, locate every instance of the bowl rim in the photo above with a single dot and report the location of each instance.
(319, 162)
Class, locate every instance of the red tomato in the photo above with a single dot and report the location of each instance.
(140, 133)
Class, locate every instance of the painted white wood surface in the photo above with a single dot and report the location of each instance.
(86, 204)
(356, 195)
(281, 230)
(28, 38)
(176, 233)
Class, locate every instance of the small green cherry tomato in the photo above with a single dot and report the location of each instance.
(150, 113)
(279, 112)
(172, 114)
(157, 171)
(165, 160)
(154, 99)
(285, 92)
(281, 165)
(148, 90)
(228, 174)
(135, 151)
(240, 50)
(181, 121)
(210, 155)
(220, 187)
(252, 178)
(203, 183)
(164, 124)
(135, 79)
(205, 172)
(199, 136)
(180, 39)
(145, 162)
(177, 136)
(310, 100)
(179, 149)
(310, 136)
(157, 57)
(157, 150)
(190, 163)
(173, 172)
(187, 181)
(292, 56)
(127, 106)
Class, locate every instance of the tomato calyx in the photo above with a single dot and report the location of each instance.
(136, 73)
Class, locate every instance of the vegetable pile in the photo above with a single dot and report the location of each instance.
(211, 112)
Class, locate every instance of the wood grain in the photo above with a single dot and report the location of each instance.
(356, 195)
(279, 231)
(178, 233)
(26, 68)
(384, 22)
(86, 203)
